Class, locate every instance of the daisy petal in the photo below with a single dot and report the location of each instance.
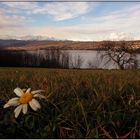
(32, 105)
(25, 108)
(37, 91)
(17, 111)
(13, 99)
(28, 90)
(14, 103)
(36, 103)
(6, 105)
(18, 91)
(39, 95)
(16, 99)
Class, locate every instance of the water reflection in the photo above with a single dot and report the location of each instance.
(90, 58)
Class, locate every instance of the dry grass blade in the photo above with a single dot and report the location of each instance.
(106, 133)
(63, 131)
(48, 96)
(126, 135)
(66, 128)
(131, 133)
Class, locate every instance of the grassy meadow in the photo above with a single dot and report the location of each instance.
(79, 103)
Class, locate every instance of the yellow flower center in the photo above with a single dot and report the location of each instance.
(25, 98)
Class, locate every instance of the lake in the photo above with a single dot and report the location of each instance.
(90, 58)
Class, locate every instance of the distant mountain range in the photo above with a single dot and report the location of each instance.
(27, 37)
(14, 42)
(39, 42)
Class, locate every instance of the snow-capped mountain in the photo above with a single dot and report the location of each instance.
(28, 37)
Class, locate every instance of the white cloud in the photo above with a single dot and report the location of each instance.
(21, 5)
(120, 36)
(119, 25)
(11, 21)
(63, 11)
(9, 17)
(58, 10)
(122, 20)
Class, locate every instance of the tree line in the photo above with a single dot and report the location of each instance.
(50, 58)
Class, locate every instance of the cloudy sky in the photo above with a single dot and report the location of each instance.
(71, 20)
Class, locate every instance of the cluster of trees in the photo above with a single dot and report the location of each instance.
(120, 53)
(51, 58)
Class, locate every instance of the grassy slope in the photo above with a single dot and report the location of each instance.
(83, 45)
(92, 103)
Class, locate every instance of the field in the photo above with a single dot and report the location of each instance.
(79, 103)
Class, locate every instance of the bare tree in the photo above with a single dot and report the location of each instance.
(119, 52)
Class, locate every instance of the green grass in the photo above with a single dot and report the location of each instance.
(81, 103)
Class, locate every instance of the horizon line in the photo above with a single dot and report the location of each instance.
(72, 40)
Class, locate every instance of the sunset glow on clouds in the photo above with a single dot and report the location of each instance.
(71, 20)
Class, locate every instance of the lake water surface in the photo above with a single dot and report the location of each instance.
(90, 58)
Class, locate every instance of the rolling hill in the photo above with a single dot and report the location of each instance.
(15, 45)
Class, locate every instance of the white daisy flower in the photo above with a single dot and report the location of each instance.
(25, 98)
